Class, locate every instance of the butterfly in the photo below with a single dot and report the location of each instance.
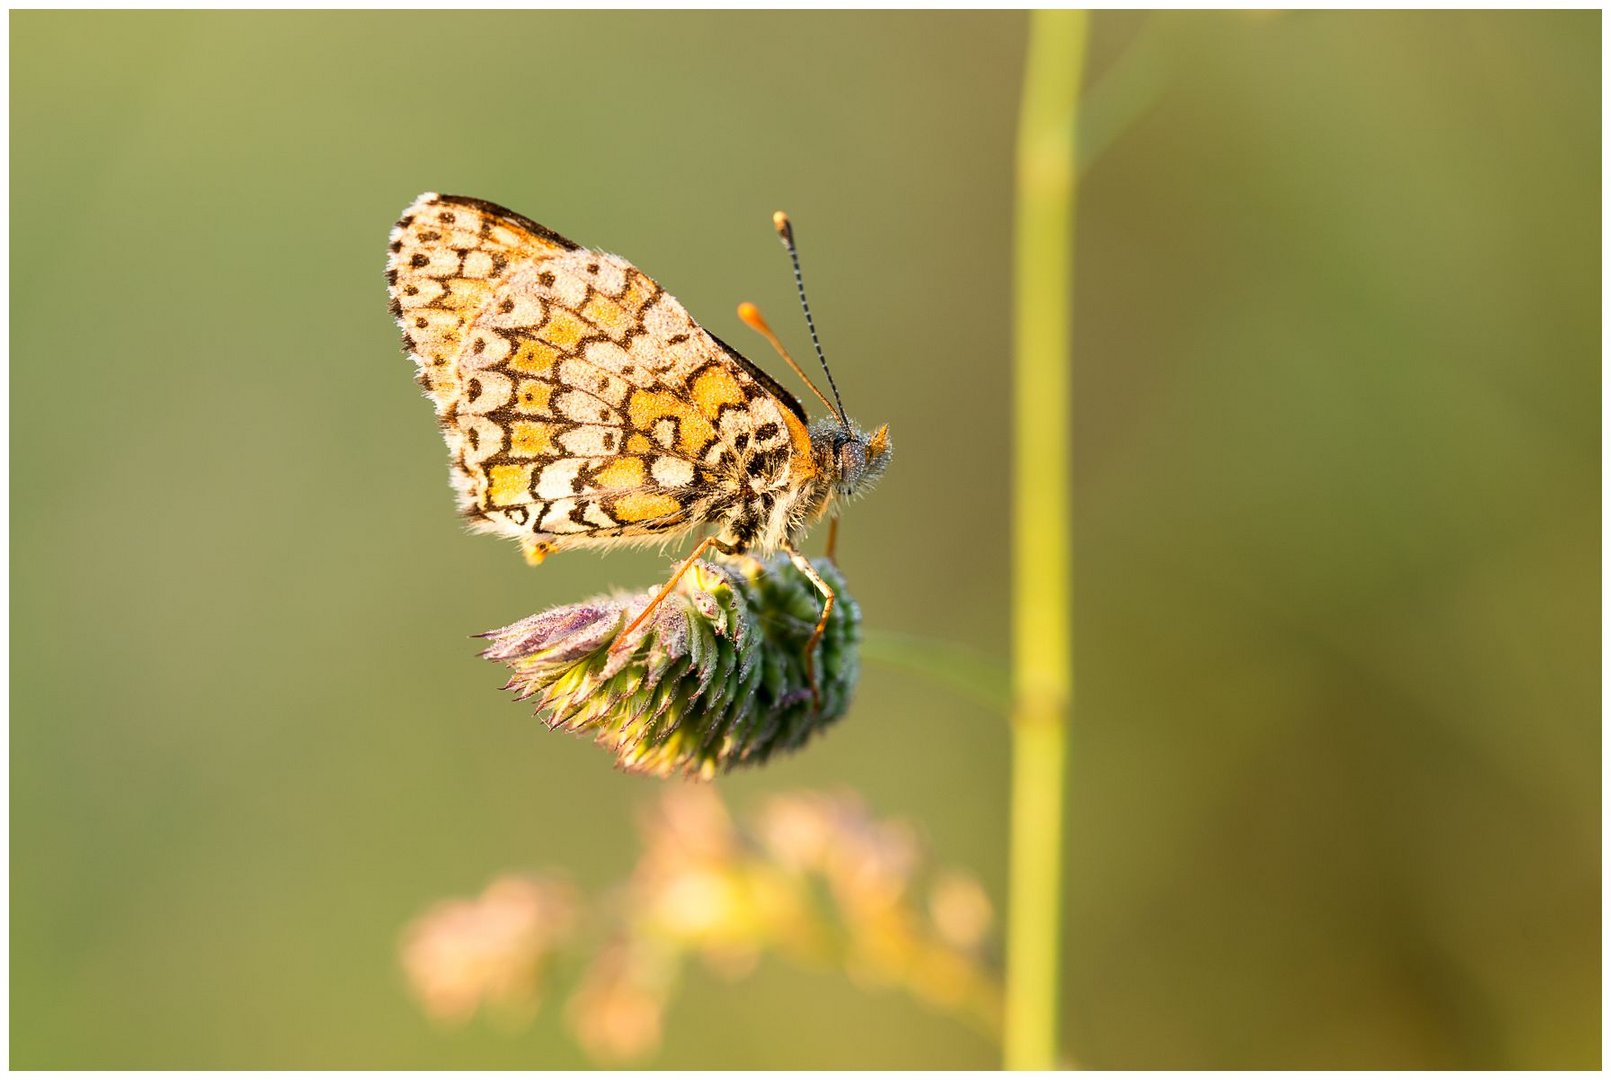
(583, 406)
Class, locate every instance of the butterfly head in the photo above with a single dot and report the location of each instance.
(852, 460)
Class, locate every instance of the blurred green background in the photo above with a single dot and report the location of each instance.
(1336, 759)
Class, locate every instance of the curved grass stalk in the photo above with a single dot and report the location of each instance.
(982, 679)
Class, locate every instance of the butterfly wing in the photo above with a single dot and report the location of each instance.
(579, 401)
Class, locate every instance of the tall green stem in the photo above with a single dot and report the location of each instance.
(1043, 542)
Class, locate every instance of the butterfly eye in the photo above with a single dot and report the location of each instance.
(852, 459)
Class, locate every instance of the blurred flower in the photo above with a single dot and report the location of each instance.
(617, 1014)
(698, 886)
(960, 909)
(867, 863)
(795, 832)
(492, 950)
(871, 868)
(812, 877)
(818, 878)
(714, 679)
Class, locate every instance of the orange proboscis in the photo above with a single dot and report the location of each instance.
(751, 315)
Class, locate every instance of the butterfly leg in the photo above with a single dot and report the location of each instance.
(833, 539)
(665, 590)
(803, 564)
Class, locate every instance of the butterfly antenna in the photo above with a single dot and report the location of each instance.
(780, 222)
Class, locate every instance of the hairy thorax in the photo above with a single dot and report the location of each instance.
(786, 493)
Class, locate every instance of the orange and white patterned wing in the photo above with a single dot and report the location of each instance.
(580, 402)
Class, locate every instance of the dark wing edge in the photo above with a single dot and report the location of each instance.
(520, 221)
(759, 374)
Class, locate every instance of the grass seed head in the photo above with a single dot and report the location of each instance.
(714, 679)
